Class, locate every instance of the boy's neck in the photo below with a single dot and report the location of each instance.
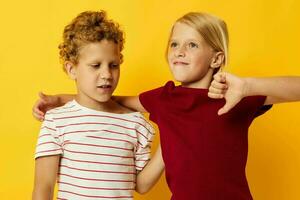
(107, 106)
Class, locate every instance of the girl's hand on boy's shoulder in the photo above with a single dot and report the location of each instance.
(228, 86)
(43, 104)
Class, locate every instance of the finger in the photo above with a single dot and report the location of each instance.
(223, 77)
(38, 106)
(215, 96)
(217, 77)
(37, 112)
(38, 117)
(219, 85)
(215, 90)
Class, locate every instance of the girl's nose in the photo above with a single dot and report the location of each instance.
(180, 51)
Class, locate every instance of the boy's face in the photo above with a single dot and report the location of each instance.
(189, 56)
(97, 72)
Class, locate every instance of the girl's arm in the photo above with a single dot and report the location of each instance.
(47, 102)
(151, 173)
(46, 169)
(132, 102)
(277, 89)
(233, 89)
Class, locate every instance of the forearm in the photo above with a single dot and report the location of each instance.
(64, 98)
(42, 193)
(277, 89)
(131, 102)
(147, 178)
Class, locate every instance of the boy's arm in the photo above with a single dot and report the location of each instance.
(47, 102)
(46, 169)
(132, 102)
(151, 173)
(233, 89)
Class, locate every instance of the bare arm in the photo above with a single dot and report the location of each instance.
(46, 169)
(277, 89)
(234, 88)
(132, 102)
(47, 102)
(151, 173)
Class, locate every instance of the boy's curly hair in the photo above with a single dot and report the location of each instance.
(88, 27)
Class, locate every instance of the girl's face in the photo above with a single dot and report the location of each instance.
(189, 57)
(97, 72)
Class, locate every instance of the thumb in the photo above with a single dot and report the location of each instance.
(225, 108)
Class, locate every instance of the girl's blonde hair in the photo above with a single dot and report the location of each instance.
(212, 29)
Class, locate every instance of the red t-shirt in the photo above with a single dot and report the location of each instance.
(205, 154)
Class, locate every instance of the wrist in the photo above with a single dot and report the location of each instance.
(247, 87)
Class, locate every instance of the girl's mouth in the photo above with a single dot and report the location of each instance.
(180, 63)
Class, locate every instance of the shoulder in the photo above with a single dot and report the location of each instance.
(64, 110)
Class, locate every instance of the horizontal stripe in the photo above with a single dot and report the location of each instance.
(94, 196)
(106, 116)
(96, 145)
(101, 123)
(100, 154)
(95, 162)
(95, 179)
(94, 188)
(97, 171)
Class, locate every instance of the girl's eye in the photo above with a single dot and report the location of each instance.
(193, 45)
(96, 66)
(173, 44)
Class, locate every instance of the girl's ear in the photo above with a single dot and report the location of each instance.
(70, 69)
(217, 60)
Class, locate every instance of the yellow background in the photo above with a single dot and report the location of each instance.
(264, 42)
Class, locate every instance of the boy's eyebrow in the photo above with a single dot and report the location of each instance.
(117, 59)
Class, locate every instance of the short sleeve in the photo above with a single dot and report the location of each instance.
(256, 106)
(151, 101)
(145, 134)
(48, 141)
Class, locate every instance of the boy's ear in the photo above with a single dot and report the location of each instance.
(217, 60)
(70, 69)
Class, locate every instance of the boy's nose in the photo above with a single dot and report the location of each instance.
(105, 73)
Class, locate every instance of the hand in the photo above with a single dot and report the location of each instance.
(42, 105)
(227, 86)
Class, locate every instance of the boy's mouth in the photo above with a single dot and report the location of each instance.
(104, 86)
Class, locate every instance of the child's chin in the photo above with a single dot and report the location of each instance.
(104, 99)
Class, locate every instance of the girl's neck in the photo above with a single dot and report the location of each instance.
(202, 83)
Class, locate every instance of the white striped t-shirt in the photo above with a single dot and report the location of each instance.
(100, 151)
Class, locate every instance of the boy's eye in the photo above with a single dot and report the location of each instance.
(173, 44)
(193, 45)
(114, 65)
